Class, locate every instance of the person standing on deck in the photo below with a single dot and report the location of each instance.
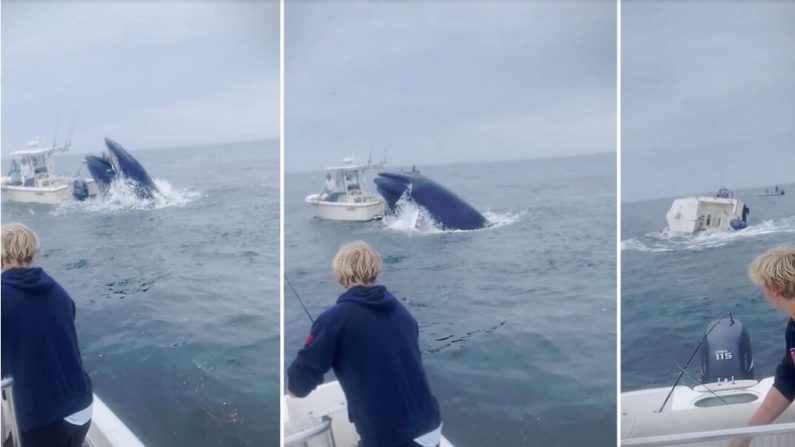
(26, 173)
(13, 173)
(329, 187)
(371, 342)
(52, 393)
(774, 272)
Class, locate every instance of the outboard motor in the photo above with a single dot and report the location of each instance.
(80, 189)
(726, 354)
(738, 223)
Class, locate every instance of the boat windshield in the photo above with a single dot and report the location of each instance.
(39, 164)
(351, 180)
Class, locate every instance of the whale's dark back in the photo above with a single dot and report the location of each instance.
(133, 170)
(101, 171)
(447, 209)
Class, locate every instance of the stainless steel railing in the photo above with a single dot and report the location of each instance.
(302, 438)
(711, 435)
(10, 426)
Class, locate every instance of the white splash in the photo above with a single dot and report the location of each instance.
(498, 220)
(412, 218)
(121, 197)
(666, 241)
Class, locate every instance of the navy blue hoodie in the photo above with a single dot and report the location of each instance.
(785, 373)
(39, 349)
(372, 343)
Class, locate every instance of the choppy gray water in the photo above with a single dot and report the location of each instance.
(673, 286)
(177, 300)
(517, 322)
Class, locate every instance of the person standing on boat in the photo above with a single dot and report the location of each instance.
(372, 343)
(52, 393)
(774, 272)
(330, 187)
(13, 173)
(26, 172)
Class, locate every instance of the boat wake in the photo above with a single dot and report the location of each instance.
(665, 241)
(121, 198)
(412, 218)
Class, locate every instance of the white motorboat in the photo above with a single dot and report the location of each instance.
(45, 187)
(106, 429)
(720, 212)
(350, 199)
(774, 192)
(716, 410)
(321, 419)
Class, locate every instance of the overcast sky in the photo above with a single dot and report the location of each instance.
(708, 96)
(447, 82)
(146, 73)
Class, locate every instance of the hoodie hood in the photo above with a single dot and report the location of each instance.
(32, 280)
(373, 297)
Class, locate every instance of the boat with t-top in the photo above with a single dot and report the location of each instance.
(722, 211)
(347, 195)
(32, 178)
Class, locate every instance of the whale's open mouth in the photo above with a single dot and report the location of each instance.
(117, 163)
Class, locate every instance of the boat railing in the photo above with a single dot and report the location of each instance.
(9, 415)
(758, 431)
(302, 438)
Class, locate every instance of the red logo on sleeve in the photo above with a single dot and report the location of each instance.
(791, 354)
(310, 338)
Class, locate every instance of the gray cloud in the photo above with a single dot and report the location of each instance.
(147, 73)
(708, 96)
(448, 81)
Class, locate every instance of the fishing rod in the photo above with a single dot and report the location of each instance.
(299, 299)
(695, 351)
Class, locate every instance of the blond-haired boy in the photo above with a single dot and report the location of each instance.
(53, 396)
(372, 343)
(774, 272)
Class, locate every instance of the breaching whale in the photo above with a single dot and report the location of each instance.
(116, 163)
(445, 207)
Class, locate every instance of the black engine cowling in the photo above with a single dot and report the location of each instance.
(80, 189)
(726, 354)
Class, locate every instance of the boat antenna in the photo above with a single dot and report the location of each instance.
(299, 299)
(68, 141)
(695, 351)
(55, 135)
(386, 150)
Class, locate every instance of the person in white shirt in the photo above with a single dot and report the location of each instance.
(330, 187)
(26, 173)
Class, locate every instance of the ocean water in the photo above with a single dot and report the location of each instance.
(177, 299)
(673, 286)
(518, 321)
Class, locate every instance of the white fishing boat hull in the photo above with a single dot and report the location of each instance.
(107, 430)
(303, 415)
(686, 413)
(348, 208)
(54, 193)
(693, 214)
